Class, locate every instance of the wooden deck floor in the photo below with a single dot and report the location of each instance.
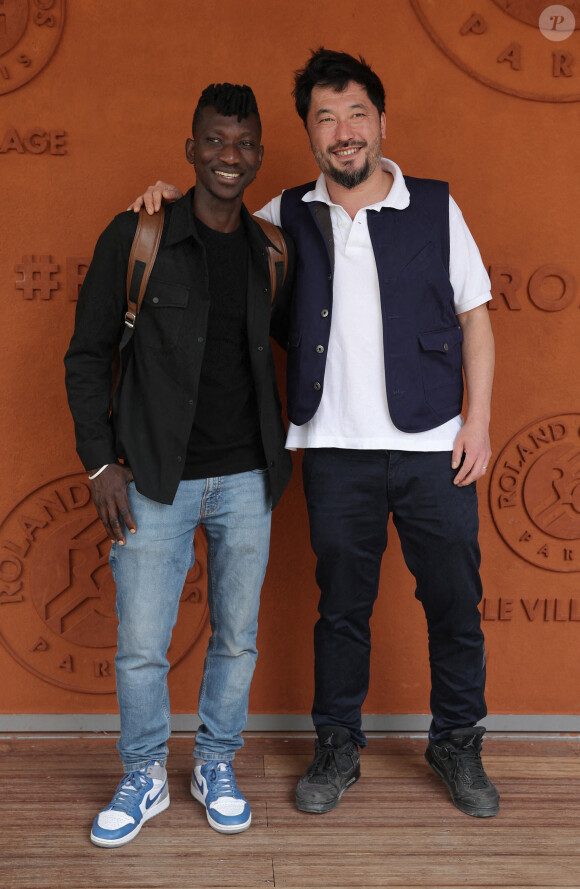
(396, 828)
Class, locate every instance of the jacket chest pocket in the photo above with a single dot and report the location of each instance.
(161, 319)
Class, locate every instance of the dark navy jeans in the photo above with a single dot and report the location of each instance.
(350, 494)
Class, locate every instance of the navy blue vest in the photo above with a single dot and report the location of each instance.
(421, 336)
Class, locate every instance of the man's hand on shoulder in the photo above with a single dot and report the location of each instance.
(155, 194)
(109, 490)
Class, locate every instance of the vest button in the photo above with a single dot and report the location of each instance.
(330, 277)
(324, 313)
(320, 349)
(445, 347)
(317, 385)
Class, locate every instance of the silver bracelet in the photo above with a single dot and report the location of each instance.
(98, 472)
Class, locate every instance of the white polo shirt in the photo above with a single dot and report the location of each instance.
(353, 411)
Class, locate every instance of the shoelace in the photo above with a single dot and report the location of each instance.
(224, 781)
(125, 795)
(469, 759)
(324, 760)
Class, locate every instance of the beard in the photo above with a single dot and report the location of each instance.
(349, 178)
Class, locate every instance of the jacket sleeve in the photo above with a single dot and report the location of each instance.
(280, 316)
(99, 323)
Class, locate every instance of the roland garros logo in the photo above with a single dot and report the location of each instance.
(30, 32)
(57, 595)
(525, 48)
(535, 493)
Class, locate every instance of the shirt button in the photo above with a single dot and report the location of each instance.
(200, 339)
(190, 401)
(320, 349)
(324, 313)
(179, 459)
(330, 277)
(317, 385)
(265, 290)
(155, 299)
(260, 348)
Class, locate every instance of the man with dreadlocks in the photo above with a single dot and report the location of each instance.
(195, 437)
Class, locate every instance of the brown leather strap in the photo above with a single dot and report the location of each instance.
(277, 255)
(141, 259)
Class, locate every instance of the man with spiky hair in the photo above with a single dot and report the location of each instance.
(195, 437)
(388, 313)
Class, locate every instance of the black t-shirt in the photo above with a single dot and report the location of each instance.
(225, 437)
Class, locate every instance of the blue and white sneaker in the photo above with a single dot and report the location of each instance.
(140, 795)
(214, 785)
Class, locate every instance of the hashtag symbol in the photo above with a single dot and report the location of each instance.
(36, 278)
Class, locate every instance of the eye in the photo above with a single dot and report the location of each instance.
(247, 144)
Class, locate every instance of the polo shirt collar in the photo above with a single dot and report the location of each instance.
(398, 197)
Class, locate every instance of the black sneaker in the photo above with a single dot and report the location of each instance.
(336, 765)
(457, 761)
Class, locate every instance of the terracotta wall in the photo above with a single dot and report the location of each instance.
(95, 102)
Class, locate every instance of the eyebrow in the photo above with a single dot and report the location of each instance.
(220, 131)
(349, 108)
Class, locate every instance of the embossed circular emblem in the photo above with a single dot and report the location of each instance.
(30, 31)
(57, 596)
(502, 44)
(535, 493)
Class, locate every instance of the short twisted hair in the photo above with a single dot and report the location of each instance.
(228, 99)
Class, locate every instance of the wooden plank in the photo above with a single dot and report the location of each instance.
(299, 872)
(186, 868)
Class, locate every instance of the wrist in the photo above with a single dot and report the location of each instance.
(98, 471)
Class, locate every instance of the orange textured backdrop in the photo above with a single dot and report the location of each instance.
(109, 113)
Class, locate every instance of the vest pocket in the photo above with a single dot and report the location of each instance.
(441, 367)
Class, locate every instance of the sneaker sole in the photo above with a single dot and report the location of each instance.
(221, 828)
(121, 841)
(321, 808)
(474, 811)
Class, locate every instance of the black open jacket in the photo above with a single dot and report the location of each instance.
(155, 401)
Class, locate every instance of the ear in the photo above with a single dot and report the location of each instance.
(383, 125)
(190, 150)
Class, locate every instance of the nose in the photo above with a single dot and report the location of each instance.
(229, 153)
(343, 130)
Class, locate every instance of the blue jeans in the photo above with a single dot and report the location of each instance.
(350, 495)
(149, 573)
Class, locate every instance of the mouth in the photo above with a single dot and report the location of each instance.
(348, 151)
(228, 177)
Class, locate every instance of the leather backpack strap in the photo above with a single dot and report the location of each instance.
(141, 259)
(277, 255)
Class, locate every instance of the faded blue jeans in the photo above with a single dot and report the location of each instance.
(149, 572)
